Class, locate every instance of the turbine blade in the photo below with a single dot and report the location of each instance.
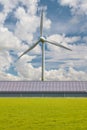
(41, 24)
(29, 49)
(59, 45)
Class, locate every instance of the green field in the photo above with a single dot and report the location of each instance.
(43, 114)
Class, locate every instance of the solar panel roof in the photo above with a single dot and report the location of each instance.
(46, 86)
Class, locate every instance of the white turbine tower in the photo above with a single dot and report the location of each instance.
(42, 39)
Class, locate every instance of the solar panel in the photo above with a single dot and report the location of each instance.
(47, 86)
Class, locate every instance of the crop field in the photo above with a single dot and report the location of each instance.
(43, 114)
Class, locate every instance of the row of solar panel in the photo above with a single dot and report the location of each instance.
(47, 83)
(52, 86)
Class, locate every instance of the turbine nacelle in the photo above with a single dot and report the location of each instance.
(42, 39)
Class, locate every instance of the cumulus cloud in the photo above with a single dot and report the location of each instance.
(6, 76)
(31, 73)
(76, 20)
(76, 58)
(8, 41)
(5, 60)
(26, 71)
(78, 7)
(26, 25)
(63, 75)
(63, 40)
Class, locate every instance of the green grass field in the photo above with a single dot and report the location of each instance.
(43, 114)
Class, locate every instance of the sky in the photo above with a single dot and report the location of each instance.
(65, 21)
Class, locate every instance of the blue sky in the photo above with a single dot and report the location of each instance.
(64, 22)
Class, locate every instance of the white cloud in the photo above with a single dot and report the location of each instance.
(11, 4)
(26, 71)
(30, 73)
(75, 22)
(63, 75)
(5, 60)
(72, 39)
(76, 58)
(7, 40)
(63, 40)
(26, 26)
(78, 7)
(6, 76)
(47, 22)
(2, 18)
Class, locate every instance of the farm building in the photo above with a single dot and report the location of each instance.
(43, 89)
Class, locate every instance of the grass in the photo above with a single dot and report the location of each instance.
(43, 114)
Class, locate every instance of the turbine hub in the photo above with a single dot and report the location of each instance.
(42, 39)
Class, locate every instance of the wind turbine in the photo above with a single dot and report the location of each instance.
(42, 39)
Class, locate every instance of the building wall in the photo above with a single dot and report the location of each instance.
(43, 94)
